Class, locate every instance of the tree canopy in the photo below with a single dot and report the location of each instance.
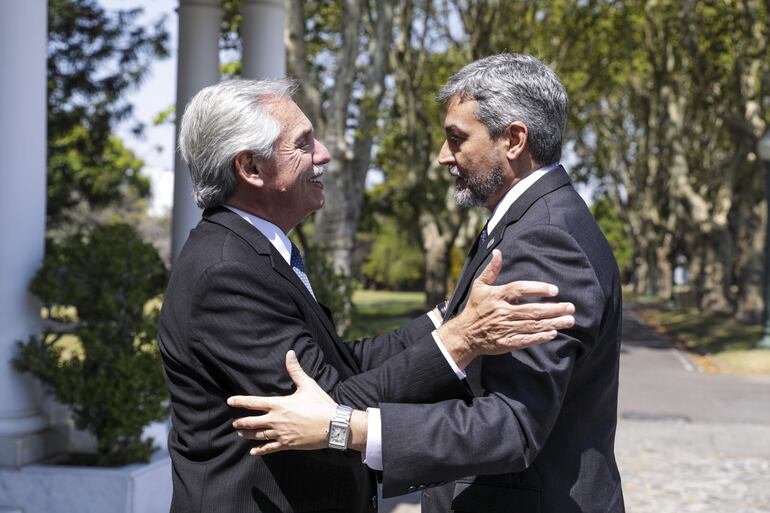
(95, 58)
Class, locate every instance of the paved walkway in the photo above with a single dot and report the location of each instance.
(687, 441)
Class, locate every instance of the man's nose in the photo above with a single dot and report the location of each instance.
(320, 154)
(445, 157)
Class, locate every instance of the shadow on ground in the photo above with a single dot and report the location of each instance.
(638, 334)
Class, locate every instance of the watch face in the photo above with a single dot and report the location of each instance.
(338, 435)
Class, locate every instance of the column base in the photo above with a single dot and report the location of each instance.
(19, 450)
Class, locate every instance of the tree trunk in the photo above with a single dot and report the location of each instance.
(750, 272)
(665, 271)
(336, 224)
(716, 277)
(438, 249)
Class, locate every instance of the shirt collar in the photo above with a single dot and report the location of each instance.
(514, 193)
(275, 235)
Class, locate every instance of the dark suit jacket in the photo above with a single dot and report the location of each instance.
(538, 435)
(232, 310)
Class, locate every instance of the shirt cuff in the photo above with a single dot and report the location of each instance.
(433, 316)
(458, 372)
(373, 453)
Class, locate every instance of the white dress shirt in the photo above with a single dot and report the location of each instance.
(275, 235)
(373, 454)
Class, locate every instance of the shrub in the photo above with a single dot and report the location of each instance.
(332, 288)
(96, 287)
(396, 262)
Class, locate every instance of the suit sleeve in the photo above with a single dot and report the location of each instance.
(245, 321)
(503, 430)
(373, 352)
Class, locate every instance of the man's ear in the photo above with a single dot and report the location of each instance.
(248, 168)
(517, 135)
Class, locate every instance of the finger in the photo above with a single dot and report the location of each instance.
(529, 327)
(294, 369)
(249, 434)
(254, 422)
(490, 272)
(250, 402)
(547, 325)
(564, 322)
(518, 342)
(267, 448)
(518, 289)
(537, 311)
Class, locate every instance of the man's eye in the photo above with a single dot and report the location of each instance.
(455, 139)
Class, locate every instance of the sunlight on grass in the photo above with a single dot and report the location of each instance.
(719, 339)
(744, 362)
(391, 299)
(70, 345)
(380, 311)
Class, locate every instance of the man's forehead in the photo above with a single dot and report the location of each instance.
(460, 112)
(288, 113)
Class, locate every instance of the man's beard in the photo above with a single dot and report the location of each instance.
(478, 188)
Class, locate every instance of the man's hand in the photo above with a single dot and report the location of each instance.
(294, 422)
(493, 323)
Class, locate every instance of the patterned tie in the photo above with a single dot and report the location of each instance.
(299, 268)
(483, 237)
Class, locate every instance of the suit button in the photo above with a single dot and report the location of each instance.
(374, 502)
(421, 487)
(411, 488)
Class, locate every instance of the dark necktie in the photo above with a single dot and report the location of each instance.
(299, 268)
(483, 237)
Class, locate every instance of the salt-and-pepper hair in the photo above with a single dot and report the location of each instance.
(514, 87)
(220, 122)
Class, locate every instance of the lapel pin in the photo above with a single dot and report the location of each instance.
(490, 243)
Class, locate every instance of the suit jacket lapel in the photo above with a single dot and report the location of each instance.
(261, 245)
(552, 180)
(472, 261)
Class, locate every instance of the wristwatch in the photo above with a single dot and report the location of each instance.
(441, 307)
(339, 428)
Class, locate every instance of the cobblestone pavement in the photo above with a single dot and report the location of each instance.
(684, 467)
(687, 441)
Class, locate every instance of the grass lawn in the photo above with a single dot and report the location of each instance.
(376, 312)
(717, 341)
(379, 311)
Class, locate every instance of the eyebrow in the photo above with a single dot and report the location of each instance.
(305, 133)
(454, 128)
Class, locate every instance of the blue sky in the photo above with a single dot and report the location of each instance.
(159, 91)
(156, 93)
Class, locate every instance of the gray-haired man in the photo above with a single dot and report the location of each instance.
(239, 299)
(537, 433)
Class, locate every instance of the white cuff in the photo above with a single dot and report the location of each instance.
(433, 316)
(458, 371)
(373, 454)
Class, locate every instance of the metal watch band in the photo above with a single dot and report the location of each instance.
(342, 414)
(339, 428)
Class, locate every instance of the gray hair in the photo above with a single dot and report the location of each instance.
(220, 122)
(514, 87)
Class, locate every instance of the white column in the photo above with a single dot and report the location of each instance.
(23, 39)
(197, 67)
(264, 51)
